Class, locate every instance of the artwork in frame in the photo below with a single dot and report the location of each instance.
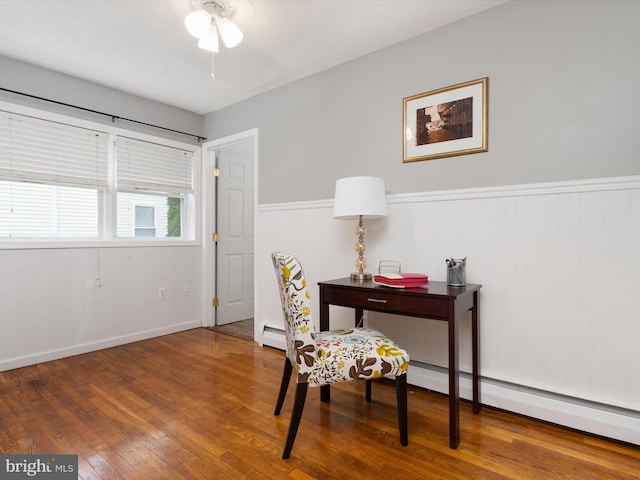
(446, 122)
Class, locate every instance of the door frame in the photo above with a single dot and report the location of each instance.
(208, 214)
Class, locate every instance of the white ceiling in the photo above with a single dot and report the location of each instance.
(142, 47)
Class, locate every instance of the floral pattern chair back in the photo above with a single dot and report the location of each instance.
(321, 358)
(296, 309)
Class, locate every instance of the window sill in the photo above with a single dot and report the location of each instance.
(45, 244)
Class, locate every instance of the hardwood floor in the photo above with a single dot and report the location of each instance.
(199, 405)
(242, 329)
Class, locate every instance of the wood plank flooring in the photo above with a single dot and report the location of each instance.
(199, 405)
(242, 329)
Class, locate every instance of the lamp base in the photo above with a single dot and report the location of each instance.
(361, 276)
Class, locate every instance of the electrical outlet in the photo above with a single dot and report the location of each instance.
(186, 289)
(161, 293)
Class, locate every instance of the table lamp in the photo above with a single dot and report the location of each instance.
(360, 198)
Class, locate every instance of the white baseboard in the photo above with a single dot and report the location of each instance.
(18, 362)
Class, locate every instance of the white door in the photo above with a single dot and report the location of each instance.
(234, 225)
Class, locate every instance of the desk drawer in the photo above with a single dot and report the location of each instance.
(388, 301)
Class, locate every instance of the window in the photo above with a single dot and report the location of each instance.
(153, 174)
(29, 210)
(145, 221)
(51, 176)
(63, 178)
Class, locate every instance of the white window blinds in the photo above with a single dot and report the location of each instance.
(145, 166)
(42, 151)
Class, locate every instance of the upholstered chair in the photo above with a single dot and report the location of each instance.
(322, 358)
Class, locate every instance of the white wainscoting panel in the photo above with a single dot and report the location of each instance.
(559, 267)
(66, 301)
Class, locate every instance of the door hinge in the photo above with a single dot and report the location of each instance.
(216, 172)
(216, 302)
(216, 237)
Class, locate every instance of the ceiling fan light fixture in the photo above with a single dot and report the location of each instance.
(229, 31)
(197, 23)
(211, 18)
(209, 41)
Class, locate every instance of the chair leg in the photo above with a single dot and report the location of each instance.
(286, 376)
(367, 390)
(298, 405)
(401, 395)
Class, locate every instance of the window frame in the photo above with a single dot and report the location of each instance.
(107, 212)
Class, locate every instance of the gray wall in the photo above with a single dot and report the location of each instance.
(41, 82)
(563, 103)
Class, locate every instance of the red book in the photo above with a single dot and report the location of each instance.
(401, 280)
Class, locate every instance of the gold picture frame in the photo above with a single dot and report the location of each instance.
(446, 122)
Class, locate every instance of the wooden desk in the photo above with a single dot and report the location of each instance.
(437, 301)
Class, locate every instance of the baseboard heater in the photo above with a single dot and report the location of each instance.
(272, 336)
(584, 415)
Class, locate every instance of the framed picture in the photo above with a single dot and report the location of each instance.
(446, 122)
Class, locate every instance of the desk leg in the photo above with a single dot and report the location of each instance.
(324, 315)
(476, 353)
(325, 390)
(325, 393)
(454, 390)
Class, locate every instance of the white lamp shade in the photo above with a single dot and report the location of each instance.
(197, 23)
(209, 41)
(357, 196)
(229, 31)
